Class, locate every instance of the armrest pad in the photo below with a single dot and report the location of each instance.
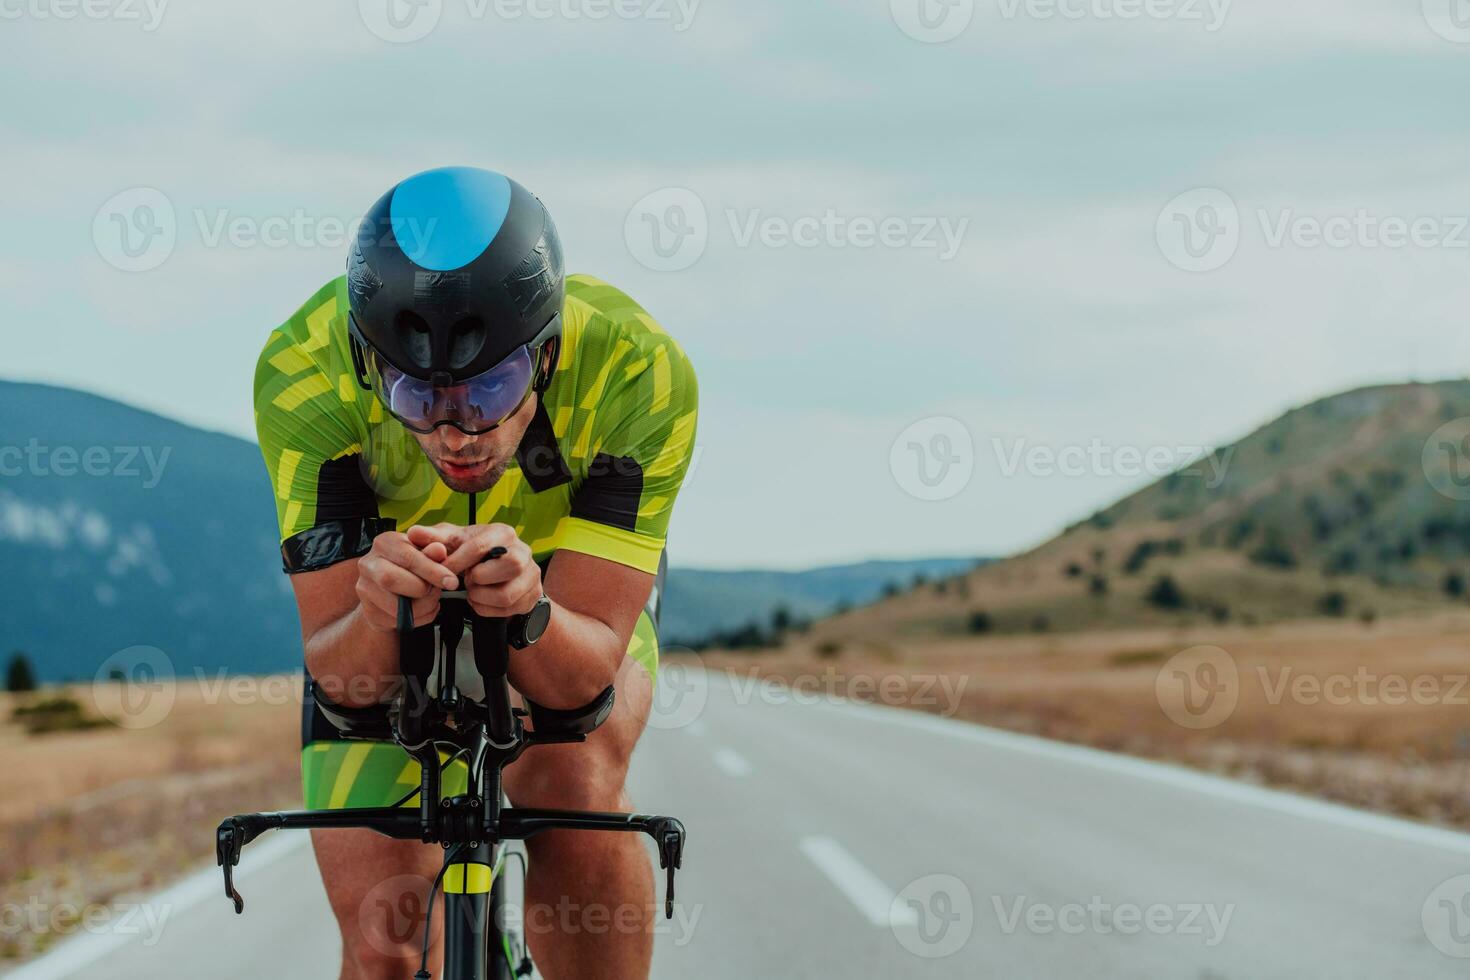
(572, 721)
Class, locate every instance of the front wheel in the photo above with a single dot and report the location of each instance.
(508, 957)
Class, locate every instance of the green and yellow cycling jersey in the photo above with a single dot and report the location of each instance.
(597, 472)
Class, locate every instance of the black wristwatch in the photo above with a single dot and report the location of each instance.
(527, 628)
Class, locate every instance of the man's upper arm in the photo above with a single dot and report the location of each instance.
(325, 509)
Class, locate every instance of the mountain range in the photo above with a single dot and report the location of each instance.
(120, 528)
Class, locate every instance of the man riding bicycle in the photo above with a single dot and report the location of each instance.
(451, 396)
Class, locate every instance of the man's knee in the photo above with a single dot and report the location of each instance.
(574, 777)
(372, 962)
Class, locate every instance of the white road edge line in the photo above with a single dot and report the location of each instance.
(1280, 801)
(861, 887)
(76, 954)
(733, 763)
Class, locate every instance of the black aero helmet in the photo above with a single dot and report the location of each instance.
(453, 271)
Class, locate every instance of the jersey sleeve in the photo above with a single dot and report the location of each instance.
(642, 445)
(325, 510)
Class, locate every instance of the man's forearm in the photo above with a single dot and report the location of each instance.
(573, 661)
(355, 665)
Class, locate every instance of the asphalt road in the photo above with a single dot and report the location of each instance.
(836, 840)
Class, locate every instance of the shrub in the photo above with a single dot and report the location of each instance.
(1073, 570)
(1098, 585)
(1333, 603)
(1454, 585)
(58, 714)
(1041, 623)
(828, 649)
(980, 622)
(1165, 593)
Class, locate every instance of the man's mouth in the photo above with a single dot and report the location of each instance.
(463, 469)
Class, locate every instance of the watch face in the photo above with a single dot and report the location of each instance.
(538, 619)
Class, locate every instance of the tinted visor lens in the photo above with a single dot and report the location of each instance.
(473, 406)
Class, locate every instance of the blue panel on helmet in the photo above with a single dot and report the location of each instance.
(443, 219)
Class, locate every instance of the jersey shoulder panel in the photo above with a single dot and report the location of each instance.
(624, 407)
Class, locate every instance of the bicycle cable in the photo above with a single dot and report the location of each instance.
(449, 859)
(443, 768)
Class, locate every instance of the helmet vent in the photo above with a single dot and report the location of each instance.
(414, 338)
(466, 341)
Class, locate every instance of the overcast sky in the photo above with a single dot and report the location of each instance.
(916, 249)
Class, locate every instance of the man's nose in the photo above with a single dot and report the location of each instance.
(452, 439)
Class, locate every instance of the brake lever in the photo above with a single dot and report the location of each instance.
(229, 841)
(670, 834)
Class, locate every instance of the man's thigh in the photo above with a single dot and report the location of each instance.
(377, 888)
(588, 775)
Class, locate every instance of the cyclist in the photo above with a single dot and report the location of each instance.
(455, 393)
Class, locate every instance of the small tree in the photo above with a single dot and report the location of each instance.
(780, 620)
(1166, 594)
(1454, 585)
(20, 677)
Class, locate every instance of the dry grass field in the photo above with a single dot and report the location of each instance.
(1375, 715)
(94, 816)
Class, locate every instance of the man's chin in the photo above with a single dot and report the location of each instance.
(470, 480)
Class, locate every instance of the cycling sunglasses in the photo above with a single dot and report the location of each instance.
(473, 406)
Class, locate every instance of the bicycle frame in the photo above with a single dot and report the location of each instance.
(472, 826)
